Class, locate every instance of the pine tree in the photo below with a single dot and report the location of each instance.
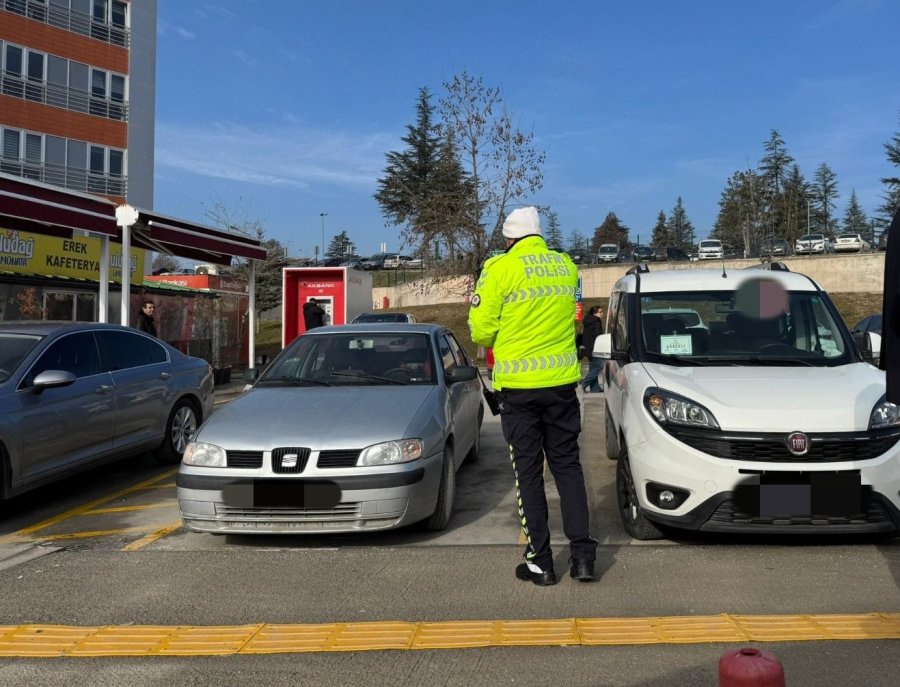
(338, 246)
(659, 238)
(796, 203)
(741, 211)
(680, 228)
(577, 242)
(824, 195)
(553, 235)
(855, 220)
(892, 192)
(404, 185)
(611, 231)
(774, 169)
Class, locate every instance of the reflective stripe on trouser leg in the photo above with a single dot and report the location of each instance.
(523, 521)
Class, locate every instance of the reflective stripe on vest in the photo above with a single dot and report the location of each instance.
(538, 292)
(539, 362)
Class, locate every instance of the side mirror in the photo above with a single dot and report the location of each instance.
(871, 348)
(602, 347)
(51, 379)
(464, 373)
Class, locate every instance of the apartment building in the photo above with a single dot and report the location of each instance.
(77, 95)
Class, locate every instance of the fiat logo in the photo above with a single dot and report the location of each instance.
(798, 443)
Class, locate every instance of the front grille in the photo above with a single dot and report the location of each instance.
(342, 511)
(771, 448)
(278, 465)
(338, 459)
(244, 459)
(728, 513)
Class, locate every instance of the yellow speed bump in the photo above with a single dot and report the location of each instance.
(156, 640)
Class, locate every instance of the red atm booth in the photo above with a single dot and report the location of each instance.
(342, 292)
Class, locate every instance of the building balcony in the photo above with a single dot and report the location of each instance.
(67, 98)
(67, 177)
(70, 20)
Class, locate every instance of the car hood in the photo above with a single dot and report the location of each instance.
(316, 417)
(779, 399)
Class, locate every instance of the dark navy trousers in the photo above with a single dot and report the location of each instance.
(539, 424)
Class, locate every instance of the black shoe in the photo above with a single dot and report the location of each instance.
(542, 579)
(582, 570)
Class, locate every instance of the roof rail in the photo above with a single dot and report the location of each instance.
(640, 268)
(775, 266)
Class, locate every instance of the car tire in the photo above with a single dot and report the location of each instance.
(180, 429)
(612, 443)
(475, 452)
(635, 522)
(439, 520)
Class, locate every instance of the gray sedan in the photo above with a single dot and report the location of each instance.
(351, 428)
(73, 395)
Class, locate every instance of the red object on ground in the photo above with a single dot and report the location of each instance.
(749, 667)
(489, 359)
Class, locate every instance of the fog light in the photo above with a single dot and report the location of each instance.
(666, 496)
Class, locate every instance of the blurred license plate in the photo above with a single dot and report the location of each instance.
(804, 494)
(288, 493)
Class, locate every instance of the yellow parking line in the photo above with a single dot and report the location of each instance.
(152, 537)
(80, 510)
(155, 640)
(87, 534)
(167, 485)
(127, 509)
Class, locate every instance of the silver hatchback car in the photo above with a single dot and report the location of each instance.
(351, 428)
(73, 395)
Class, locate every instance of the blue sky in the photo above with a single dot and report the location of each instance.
(283, 109)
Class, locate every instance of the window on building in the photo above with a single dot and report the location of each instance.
(55, 160)
(11, 142)
(117, 96)
(78, 86)
(12, 71)
(98, 92)
(116, 181)
(97, 182)
(118, 15)
(34, 90)
(76, 165)
(99, 11)
(34, 153)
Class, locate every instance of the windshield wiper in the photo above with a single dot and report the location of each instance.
(757, 360)
(684, 360)
(293, 381)
(368, 377)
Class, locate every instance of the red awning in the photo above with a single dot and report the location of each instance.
(31, 206)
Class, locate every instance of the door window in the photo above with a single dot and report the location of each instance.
(124, 350)
(448, 360)
(458, 351)
(76, 353)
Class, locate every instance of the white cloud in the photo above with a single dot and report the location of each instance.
(167, 29)
(285, 156)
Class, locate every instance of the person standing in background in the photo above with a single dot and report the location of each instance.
(593, 327)
(145, 321)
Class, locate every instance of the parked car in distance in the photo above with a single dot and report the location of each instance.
(710, 249)
(409, 263)
(643, 254)
(673, 254)
(851, 243)
(691, 422)
(811, 244)
(379, 261)
(383, 317)
(75, 395)
(732, 253)
(608, 252)
(775, 248)
(351, 428)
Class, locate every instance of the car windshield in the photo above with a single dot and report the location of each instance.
(710, 244)
(705, 328)
(13, 349)
(812, 237)
(609, 249)
(381, 317)
(353, 360)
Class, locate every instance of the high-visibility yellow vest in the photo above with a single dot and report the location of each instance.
(524, 307)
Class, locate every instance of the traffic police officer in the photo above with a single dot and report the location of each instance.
(524, 307)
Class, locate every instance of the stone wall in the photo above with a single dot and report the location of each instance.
(854, 273)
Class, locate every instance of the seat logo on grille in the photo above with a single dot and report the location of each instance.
(289, 460)
(798, 443)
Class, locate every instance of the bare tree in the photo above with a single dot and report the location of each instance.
(498, 158)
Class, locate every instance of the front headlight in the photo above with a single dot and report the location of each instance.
(391, 453)
(204, 455)
(668, 408)
(884, 414)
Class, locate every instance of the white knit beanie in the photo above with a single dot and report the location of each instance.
(522, 222)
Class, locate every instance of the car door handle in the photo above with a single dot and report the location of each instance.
(103, 389)
(164, 375)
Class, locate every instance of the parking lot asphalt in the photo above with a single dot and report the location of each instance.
(661, 612)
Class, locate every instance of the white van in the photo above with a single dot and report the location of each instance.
(711, 249)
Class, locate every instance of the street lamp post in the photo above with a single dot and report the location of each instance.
(323, 215)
